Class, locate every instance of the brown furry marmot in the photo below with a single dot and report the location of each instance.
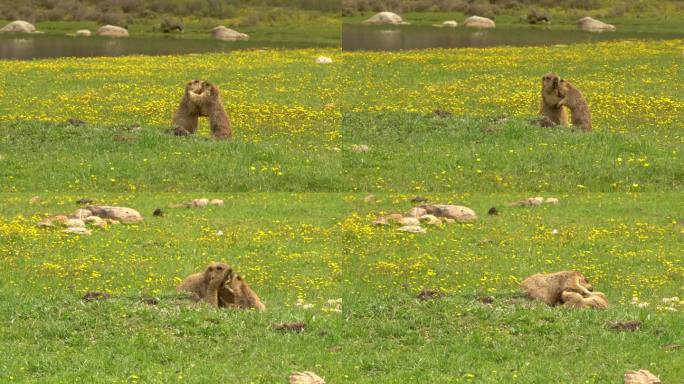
(595, 300)
(551, 113)
(206, 285)
(202, 99)
(550, 287)
(236, 292)
(573, 99)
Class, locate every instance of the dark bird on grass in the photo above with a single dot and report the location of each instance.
(419, 199)
(75, 122)
(493, 211)
(441, 113)
(158, 212)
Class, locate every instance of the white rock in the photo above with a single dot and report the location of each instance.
(96, 221)
(359, 148)
(75, 223)
(81, 214)
(385, 18)
(227, 34)
(409, 221)
(551, 200)
(592, 25)
(456, 212)
(45, 223)
(200, 202)
(534, 201)
(78, 231)
(323, 60)
(112, 31)
(216, 202)
(123, 214)
(641, 377)
(83, 32)
(416, 212)
(412, 229)
(306, 377)
(450, 24)
(430, 220)
(19, 26)
(479, 22)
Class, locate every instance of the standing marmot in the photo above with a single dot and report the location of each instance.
(202, 99)
(551, 112)
(573, 99)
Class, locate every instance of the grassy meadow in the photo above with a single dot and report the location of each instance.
(297, 214)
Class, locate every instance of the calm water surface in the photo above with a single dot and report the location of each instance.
(392, 38)
(23, 47)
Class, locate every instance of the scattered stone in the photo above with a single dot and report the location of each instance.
(534, 201)
(412, 229)
(394, 218)
(306, 377)
(409, 221)
(78, 231)
(112, 31)
(158, 212)
(385, 18)
(150, 300)
(34, 200)
(359, 148)
(416, 212)
(216, 202)
(75, 223)
(200, 203)
(630, 326)
(227, 34)
(430, 220)
(551, 200)
(493, 211)
(592, 25)
(81, 214)
(96, 221)
(641, 377)
(441, 113)
(289, 327)
(457, 212)
(486, 299)
(95, 295)
(122, 214)
(45, 223)
(18, 26)
(450, 24)
(84, 201)
(323, 60)
(83, 32)
(479, 22)
(429, 294)
(554, 232)
(419, 199)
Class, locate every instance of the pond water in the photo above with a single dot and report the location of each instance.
(392, 38)
(16, 46)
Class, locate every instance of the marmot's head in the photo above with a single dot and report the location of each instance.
(200, 90)
(583, 281)
(218, 271)
(550, 81)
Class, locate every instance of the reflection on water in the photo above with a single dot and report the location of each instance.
(42, 46)
(392, 38)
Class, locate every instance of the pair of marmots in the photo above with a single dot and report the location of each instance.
(219, 286)
(202, 99)
(557, 93)
(569, 288)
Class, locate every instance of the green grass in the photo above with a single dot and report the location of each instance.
(296, 220)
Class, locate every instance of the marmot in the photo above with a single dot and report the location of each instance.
(551, 112)
(549, 287)
(202, 99)
(573, 99)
